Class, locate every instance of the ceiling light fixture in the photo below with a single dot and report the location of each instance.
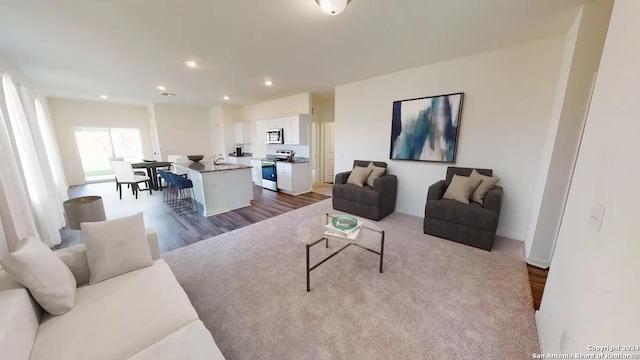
(333, 7)
(226, 97)
(268, 82)
(104, 97)
(168, 94)
(162, 88)
(191, 63)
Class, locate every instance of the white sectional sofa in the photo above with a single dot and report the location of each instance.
(143, 314)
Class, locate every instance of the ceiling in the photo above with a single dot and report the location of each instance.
(124, 49)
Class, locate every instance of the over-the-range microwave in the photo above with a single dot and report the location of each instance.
(275, 136)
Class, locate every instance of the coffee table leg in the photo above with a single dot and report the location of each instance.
(381, 251)
(327, 243)
(308, 286)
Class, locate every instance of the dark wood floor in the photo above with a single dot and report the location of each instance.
(176, 231)
(537, 280)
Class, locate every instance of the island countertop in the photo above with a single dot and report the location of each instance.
(205, 167)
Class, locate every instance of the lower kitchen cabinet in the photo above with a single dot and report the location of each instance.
(256, 171)
(293, 178)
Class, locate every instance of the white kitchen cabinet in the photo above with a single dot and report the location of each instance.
(284, 176)
(243, 132)
(293, 178)
(256, 171)
(296, 130)
(246, 161)
(243, 160)
(276, 123)
(261, 131)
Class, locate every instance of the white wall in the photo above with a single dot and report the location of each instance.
(67, 114)
(324, 108)
(183, 130)
(291, 105)
(509, 95)
(583, 50)
(592, 290)
(222, 119)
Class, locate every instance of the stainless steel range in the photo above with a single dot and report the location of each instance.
(269, 172)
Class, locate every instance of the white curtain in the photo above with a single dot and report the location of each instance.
(15, 207)
(45, 203)
(53, 153)
(46, 161)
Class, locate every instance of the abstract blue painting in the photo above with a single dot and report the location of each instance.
(426, 129)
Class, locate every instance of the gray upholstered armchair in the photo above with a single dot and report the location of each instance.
(372, 202)
(470, 224)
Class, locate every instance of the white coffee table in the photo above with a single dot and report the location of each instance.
(312, 232)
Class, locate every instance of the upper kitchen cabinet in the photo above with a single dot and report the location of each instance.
(261, 131)
(296, 129)
(276, 123)
(243, 132)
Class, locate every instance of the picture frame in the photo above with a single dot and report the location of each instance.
(426, 128)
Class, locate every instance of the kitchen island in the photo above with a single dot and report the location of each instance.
(220, 188)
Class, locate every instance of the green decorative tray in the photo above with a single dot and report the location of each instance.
(344, 222)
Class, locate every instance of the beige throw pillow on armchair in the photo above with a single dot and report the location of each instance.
(376, 172)
(461, 188)
(359, 175)
(486, 184)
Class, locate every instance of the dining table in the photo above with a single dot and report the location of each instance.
(152, 171)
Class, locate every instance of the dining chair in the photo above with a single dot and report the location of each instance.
(125, 175)
(120, 158)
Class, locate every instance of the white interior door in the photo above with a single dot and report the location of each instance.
(315, 152)
(329, 156)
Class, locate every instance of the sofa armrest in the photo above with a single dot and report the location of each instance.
(386, 183)
(436, 191)
(493, 200)
(75, 257)
(341, 178)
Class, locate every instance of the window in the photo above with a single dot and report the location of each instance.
(97, 145)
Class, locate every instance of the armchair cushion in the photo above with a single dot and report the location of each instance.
(364, 194)
(472, 214)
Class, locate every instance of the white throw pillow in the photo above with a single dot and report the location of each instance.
(115, 247)
(49, 280)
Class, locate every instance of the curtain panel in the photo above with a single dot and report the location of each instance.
(34, 169)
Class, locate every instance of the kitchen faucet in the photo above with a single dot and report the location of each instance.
(214, 160)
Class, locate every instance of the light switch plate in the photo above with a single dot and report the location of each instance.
(597, 214)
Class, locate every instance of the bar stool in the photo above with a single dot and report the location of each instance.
(181, 198)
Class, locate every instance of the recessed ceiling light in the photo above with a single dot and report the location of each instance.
(191, 63)
(225, 97)
(104, 97)
(161, 88)
(168, 94)
(268, 82)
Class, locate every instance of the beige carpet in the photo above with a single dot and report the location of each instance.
(435, 300)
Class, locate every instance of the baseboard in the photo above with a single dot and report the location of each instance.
(541, 341)
(542, 264)
(509, 235)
